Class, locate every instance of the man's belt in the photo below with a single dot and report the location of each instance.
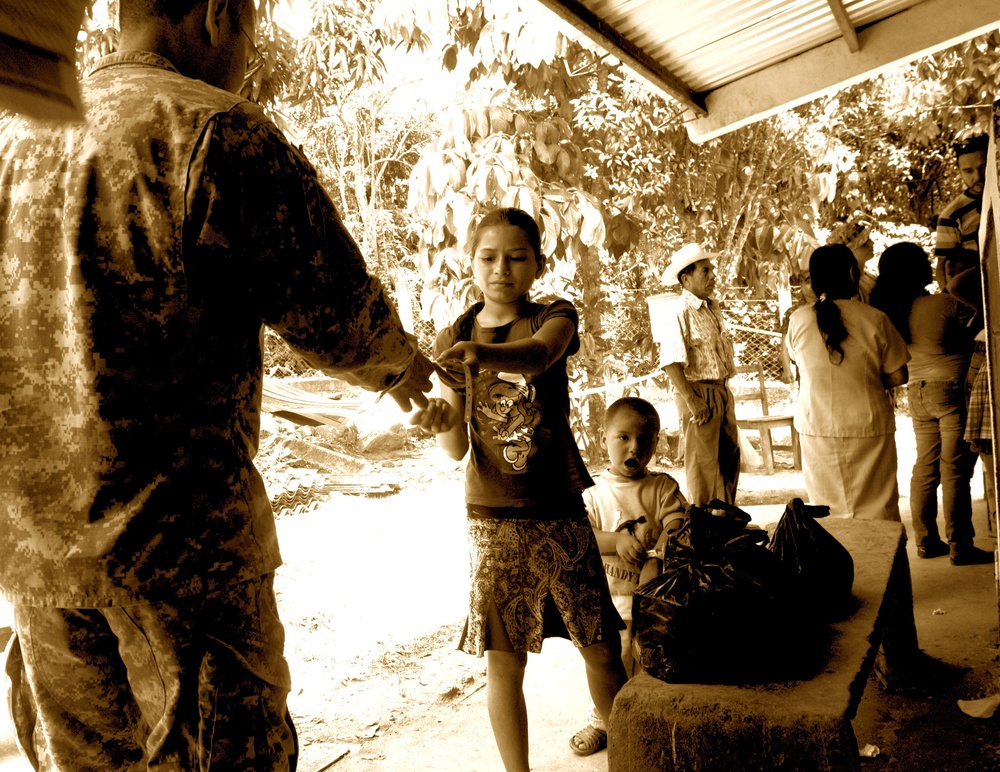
(713, 381)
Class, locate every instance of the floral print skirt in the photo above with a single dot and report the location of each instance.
(546, 579)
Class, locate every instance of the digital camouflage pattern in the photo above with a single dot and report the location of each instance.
(206, 685)
(140, 255)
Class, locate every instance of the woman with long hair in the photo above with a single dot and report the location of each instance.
(940, 332)
(848, 355)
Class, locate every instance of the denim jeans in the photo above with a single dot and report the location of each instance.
(943, 458)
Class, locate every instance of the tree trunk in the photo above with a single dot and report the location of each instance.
(590, 314)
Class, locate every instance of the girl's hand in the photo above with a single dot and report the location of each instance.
(438, 417)
(629, 548)
(464, 353)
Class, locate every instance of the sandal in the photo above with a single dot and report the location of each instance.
(589, 740)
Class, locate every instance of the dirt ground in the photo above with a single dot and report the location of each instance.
(372, 594)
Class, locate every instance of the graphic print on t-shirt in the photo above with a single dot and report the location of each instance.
(509, 416)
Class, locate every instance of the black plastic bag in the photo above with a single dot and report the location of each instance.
(716, 613)
(822, 568)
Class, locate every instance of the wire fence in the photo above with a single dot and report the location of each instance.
(756, 329)
(754, 324)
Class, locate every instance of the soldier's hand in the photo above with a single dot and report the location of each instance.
(412, 390)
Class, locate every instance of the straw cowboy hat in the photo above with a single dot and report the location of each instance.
(687, 255)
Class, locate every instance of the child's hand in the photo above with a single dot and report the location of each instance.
(438, 417)
(629, 548)
(464, 353)
(646, 532)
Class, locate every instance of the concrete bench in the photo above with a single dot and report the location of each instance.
(795, 725)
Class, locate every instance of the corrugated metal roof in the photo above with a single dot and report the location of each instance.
(731, 62)
(708, 43)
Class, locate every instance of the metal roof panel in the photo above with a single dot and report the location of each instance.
(708, 43)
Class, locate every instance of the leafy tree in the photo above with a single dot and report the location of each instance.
(890, 138)
(607, 167)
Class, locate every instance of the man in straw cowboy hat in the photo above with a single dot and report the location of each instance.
(697, 356)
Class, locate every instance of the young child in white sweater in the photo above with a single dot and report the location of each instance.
(632, 511)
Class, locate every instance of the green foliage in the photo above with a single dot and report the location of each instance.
(329, 84)
(494, 157)
(341, 53)
(99, 36)
(607, 168)
(363, 148)
(949, 93)
(889, 140)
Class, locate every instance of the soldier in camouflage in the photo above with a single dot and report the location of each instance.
(140, 256)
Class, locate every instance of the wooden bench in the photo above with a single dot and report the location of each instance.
(793, 726)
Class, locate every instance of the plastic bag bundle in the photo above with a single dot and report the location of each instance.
(822, 568)
(716, 613)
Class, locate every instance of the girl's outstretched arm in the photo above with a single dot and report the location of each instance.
(529, 356)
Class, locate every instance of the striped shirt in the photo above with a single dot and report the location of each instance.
(697, 338)
(958, 225)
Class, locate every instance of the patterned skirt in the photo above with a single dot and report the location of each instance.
(546, 579)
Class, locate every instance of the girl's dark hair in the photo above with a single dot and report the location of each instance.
(509, 216)
(904, 270)
(834, 273)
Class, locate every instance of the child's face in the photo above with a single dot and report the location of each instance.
(504, 265)
(631, 441)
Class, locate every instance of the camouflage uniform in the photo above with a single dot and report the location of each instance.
(141, 255)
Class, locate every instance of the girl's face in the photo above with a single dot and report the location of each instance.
(504, 265)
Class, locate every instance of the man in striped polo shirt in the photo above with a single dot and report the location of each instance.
(958, 223)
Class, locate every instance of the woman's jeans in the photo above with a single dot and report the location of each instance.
(943, 457)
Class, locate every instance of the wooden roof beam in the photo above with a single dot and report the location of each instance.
(922, 29)
(612, 41)
(845, 24)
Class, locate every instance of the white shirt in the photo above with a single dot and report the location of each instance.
(614, 500)
(846, 399)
